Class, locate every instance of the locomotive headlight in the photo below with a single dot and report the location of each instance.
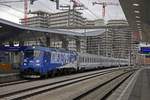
(24, 64)
(37, 61)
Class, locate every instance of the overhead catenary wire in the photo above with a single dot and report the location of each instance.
(46, 6)
(86, 8)
(92, 13)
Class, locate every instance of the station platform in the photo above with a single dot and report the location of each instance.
(141, 89)
(136, 87)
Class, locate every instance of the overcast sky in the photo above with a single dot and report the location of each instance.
(112, 12)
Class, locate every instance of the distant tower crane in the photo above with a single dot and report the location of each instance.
(25, 12)
(77, 4)
(104, 4)
(26, 6)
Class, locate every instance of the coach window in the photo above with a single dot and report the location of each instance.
(48, 55)
(83, 60)
(80, 59)
(86, 60)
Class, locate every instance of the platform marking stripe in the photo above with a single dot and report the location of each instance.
(129, 84)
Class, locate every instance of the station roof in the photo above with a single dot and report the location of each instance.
(10, 30)
(137, 13)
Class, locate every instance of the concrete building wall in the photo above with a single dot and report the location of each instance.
(101, 44)
(97, 22)
(38, 19)
(92, 45)
(67, 18)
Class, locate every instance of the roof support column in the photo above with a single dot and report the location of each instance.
(21, 43)
(65, 43)
(48, 41)
(78, 44)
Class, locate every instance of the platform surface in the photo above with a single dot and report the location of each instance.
(141, 90)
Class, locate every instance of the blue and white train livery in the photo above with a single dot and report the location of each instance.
(44, 61)
(41, 60)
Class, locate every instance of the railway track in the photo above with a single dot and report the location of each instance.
(14, 82)
(30, 92)
(21, 80)
(102, 91)
(47, 87)
(98, 88)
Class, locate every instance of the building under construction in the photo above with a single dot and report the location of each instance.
(38, 19)
(100, 44)
(113, 42)
(121, 39)
(66, 19)
(60, 19)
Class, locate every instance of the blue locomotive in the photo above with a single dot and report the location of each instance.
(42, 60)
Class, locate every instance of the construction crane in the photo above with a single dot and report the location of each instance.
(26, 6)
(104, 4)
(77, 4)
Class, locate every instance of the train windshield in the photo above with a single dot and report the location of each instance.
(31, 53)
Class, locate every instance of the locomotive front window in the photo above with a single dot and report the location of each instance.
(36, 53)
(31, 53)
(28, 53)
